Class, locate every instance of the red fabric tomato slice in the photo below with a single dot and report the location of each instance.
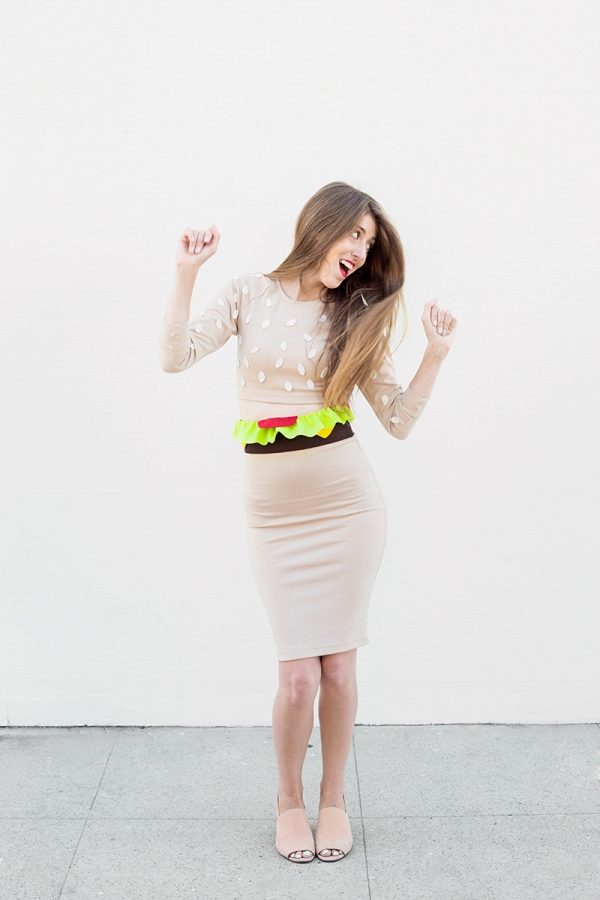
(277, 420)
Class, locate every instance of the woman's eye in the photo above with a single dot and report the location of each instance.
(357, 233)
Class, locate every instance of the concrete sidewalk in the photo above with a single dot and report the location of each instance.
(442, 812)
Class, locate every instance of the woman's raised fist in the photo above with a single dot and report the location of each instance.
(196, 246)
(439, 324)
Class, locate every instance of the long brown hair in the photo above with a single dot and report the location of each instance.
(359, 336)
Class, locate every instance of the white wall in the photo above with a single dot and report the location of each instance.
(126, 593)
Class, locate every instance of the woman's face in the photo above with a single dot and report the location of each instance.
(353, 249)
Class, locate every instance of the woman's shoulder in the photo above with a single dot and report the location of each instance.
(254, 284)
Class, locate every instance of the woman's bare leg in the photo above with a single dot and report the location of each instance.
(292, 725)
(338, 702)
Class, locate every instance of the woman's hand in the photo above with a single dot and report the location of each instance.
(195, 247)
(440, 326)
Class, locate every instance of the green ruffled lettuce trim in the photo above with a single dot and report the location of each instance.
(248, 431)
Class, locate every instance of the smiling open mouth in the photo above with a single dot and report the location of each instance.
(344, 270)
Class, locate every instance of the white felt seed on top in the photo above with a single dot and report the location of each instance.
(254, 349)
(245, 289)
(310, 383)
(283, 345)
(288, 385)
(279, 362)
(322, 318)
(198, 326)
(261, 376)
(312, 353)
(234, 314)
(323, 372)
(373, 374)
(219, 324)
(395, 420)
(307, 337)
(246, 363)
(384, 399)
(266, 323)
(301, 368)
(268, 301)
(291, 322)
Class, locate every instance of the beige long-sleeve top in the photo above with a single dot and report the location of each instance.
(281, 353)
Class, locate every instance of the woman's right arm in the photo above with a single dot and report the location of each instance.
(184, 342)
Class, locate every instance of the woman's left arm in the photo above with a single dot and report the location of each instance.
(440, 330)
(397, 409)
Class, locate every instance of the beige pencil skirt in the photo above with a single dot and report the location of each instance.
(316, 531)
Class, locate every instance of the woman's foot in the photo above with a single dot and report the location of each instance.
(293, 829)
(333, 827)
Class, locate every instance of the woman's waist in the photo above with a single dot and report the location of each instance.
(339, 431)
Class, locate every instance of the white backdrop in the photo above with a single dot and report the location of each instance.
(126, 593)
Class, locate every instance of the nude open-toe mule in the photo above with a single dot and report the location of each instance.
(333, 833)
(293, 834)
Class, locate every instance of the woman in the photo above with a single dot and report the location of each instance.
(308, 332)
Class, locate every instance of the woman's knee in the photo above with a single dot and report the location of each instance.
(299, 678)
(339, 669)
